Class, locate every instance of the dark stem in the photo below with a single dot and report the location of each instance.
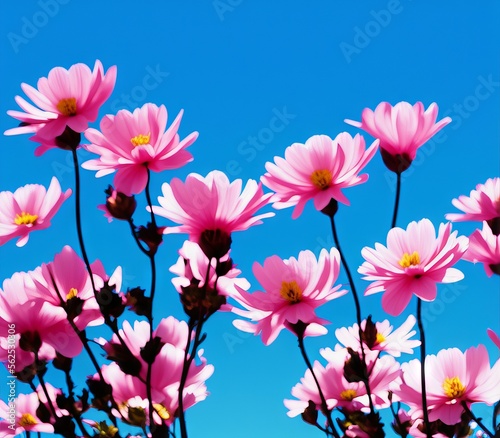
(396, 202)
(422, 368)
(76, 415)
(477, 420)
(324, 406)
(44, 388)
(148, 198)
(134, 234)
(358, 309)
(404, 434)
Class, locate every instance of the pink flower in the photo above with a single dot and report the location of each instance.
(209, 209)
(28, 209)
(412, 263)
(66, 98)
(42, 326)
(66, 279)
(23, 410)
(402, 129)
(338, 392)
(452, 378)
(393, 342)
(494, 337)
(484, 247)
(318, 170)
(483, 204)
(133, 143)
(293, 289)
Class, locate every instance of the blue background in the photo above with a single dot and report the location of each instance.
(232, 65)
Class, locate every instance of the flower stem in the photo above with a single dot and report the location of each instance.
(396, 202)
(324, 406)
(422, 368)
(358, 308)
(477, 420)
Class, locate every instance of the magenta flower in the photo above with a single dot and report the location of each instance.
(318, 170)
(483, 204)
(209, 209)
(452, 378)
(28, 209)
(402, 129)
(338, 392)
(133, 143)
(494, 337)
(412, 263)
(66, 98)
(293, 289)
(393, 342)
(484, 247)
(24, 410)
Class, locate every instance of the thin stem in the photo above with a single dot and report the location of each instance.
(134, 234)
(396, 202)
(422, 368)
(44, 389)
(148, 198)
(358, 308)
(403, 433)
(324, 406)
(76, 415)
(477, 420)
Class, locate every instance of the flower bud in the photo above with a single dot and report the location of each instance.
(119, 205)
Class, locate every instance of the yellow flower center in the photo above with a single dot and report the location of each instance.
(67, 107)
(162, 411)
(380, 338)
(25, 219)
(290, 291)
(72, 293)
(321, 178)
(348, 394)
(27, 420)
(410, 260)
(453, 387)
(140, 139)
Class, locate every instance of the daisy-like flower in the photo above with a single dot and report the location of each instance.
(293, 289)
(65, 99)
(210, 208)
(402, 129)
(483, 204)
(28, 209)
(484, 247)
(133, 143)
(318, 170)
(452, 378)
(413, 262)
(23, 410)
(382, 338)
(338, 392)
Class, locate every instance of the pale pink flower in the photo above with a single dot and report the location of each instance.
(293, 289)
(412, 263)
(29, 208)
(66, 98)
(452, 378)
(393, 342)
(23, 409)
(318, 170)
(210, 205)
(483, 203)
(66, 278)
(193, 265)
(132, 143)
(402, 129)
(338, 392)
(36, 320)
(484, 247)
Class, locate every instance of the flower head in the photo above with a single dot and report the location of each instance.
(452, 378)
(210, 208)
(134, 143)
(402, 129)
(484, 247)
(293, 289)
(28, 209)
(412, 263)
(318, 170)
(483, 204)
(66, 98)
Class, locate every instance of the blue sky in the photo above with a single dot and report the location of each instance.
(235, 67)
